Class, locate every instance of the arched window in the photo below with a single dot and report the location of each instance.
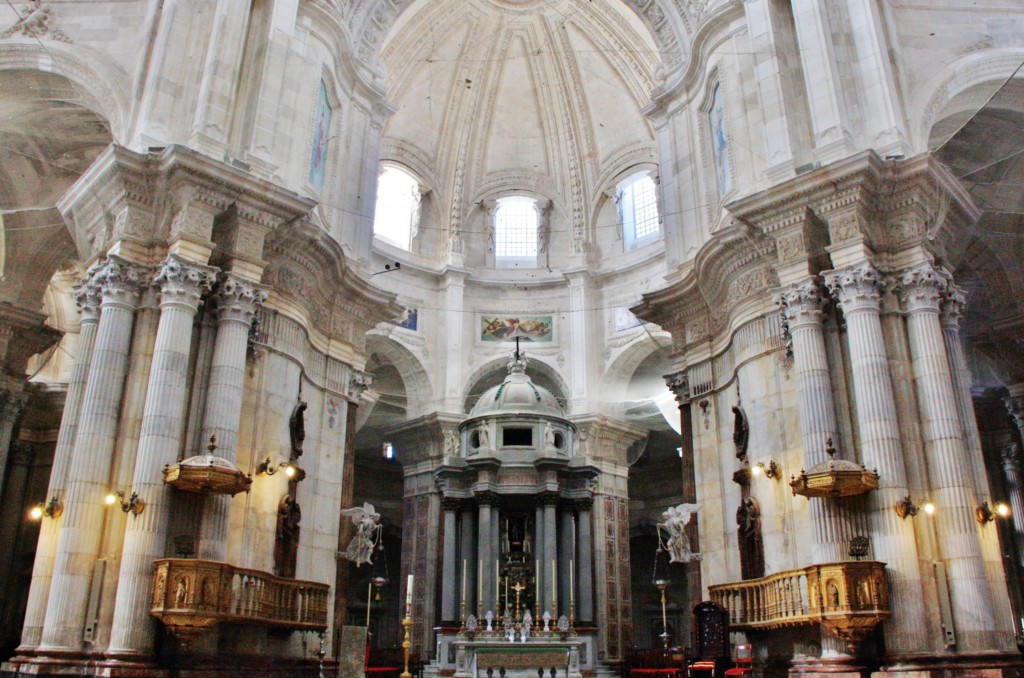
(397, 216)
(516, 226)
(638, 209)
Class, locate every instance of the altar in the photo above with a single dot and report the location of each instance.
(479, 658)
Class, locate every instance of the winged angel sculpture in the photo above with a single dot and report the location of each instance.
(674, 522)
(368, 529)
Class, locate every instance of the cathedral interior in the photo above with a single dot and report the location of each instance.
(547, 331)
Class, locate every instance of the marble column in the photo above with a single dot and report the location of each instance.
(538, 554)
(679, 384)
(951, 479)
(12, 515)
(953, 303)
(78, 541)
(237, 300)
(858, 291)
(551, 602)
(182, 284)
(1012, 467)
(485, 554)
(449, 583)
(12, 402)
(585, 561)
(803, 306)
(566, 540)
(467, 553)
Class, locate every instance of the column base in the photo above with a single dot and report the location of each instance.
(978, 665)
(843, 666)
(208, 667)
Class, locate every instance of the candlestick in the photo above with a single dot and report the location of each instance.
(572, 591)
(369, 601)
(554, 589)
(463, 592)
(480, 587)
(497, 592)
(407, 643)
(408, 596)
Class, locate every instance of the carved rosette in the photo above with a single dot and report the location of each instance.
(183, 283)
(679, 384)
(237, 300)
(954, 303)
(120, 282)
(922, 288)
(802, 303)
(856, 289)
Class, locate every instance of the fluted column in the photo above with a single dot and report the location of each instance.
(538, 554)
(803, 306)
(858, 292)
(449, 584)
(237, 301)
(950, 478)
(1015, 489)
(182, 285)
(12, 516)
(953, 303)
(88, 473)
(87, 297)
(485, 554)
(585, 561)
(468, 559)
(551, 553)
(12, 402)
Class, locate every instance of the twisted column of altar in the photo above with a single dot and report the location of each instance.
(858, 291)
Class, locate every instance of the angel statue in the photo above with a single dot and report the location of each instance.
(368, 527)
(674, 521)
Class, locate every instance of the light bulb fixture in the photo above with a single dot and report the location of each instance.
(905, 507)
(928, 508)
(51, 509)
(269, 468)
(1002, 509)
(770, 471)
(133, 504)
(37, 512)
(984, 514)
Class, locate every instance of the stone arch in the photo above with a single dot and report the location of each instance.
(103, 88)
(937, 97)
(492, 372)
(418, 390)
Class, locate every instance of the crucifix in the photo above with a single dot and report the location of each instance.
(518, 588)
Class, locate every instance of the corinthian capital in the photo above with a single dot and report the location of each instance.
(1015, 408)
(679, 384)
(12, 399)
(120, 281)
(802, 303)
(88, 295)
(954, 301)
(857, 288)
(921, 288)
(183, 282)
(237, 299)
(1011, 457)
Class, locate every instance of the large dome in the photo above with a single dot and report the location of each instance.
(517, 395)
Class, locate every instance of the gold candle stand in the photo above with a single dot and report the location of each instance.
(407, 644)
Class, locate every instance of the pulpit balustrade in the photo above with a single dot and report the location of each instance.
(192, 596)
(849, 598)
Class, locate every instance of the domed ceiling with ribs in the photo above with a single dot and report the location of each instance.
(541, 95)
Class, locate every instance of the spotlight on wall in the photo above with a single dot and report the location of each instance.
(133, 504)
(269, 468)
(770, 471)
(52, 509)
(905, 507)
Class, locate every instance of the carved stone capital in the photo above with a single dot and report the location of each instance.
(548, 499)
(120, 282)
(12, 400)
(858, 288)
(679, 384)
(487, 499)
(921, 288)
(1015, 408)
(450, 504)
(584, 505)
(88, 296)
(1011, 458)
(183, 283)
(359, 383)
(237, 299)
(954, 303)
(803, 303)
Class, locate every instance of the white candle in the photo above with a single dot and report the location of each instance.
(480, 583)
(463, 583)
(572, 591)
(554, 589)
(408, 596)
(497, 583)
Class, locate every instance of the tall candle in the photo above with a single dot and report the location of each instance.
(463, 584)
(497, 583)
(408, 596)
(572, 591)
(554, 589)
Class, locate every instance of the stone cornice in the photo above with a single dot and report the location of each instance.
(23, 333)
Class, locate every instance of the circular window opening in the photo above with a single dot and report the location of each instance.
(474, 439)
(559, 440)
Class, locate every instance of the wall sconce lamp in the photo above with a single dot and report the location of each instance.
(985, 514)
(133, 505)
(53, 509)
(905, 507)
(771, 471)
(269, 468)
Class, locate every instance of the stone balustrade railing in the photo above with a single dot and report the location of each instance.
(192, 596)
(849, 598)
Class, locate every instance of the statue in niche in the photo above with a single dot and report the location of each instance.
(451, 443)
(368, 527)
(286, 540)
(297, 428)
(674, 522)
(740, 431)
(485, 442)
(748, 518)
(549, 436)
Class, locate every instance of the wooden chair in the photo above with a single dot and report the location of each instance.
(743, 661)
(710, 629)
(667, 663)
